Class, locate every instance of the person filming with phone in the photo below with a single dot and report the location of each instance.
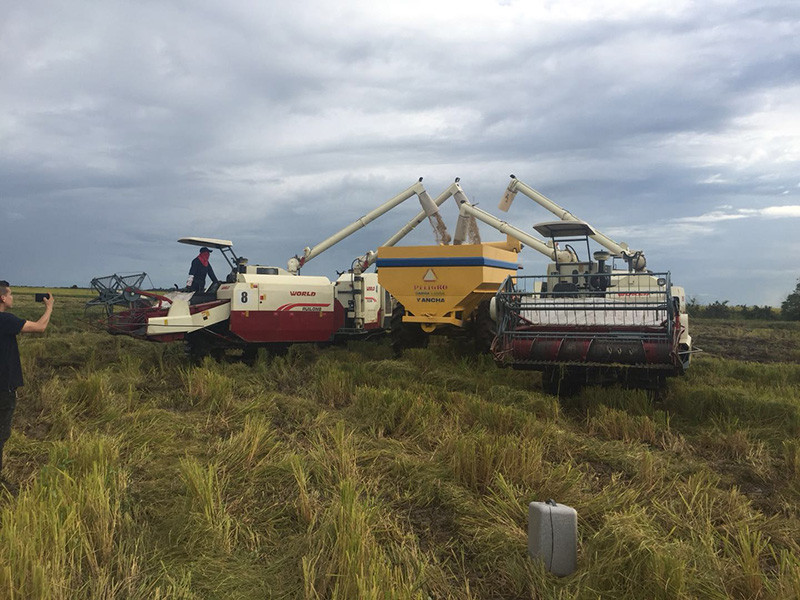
(10, 365)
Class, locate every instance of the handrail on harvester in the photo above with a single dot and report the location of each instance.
(159, 297)
(638, 301)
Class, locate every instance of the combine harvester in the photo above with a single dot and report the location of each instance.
(264, 306)
(584, 321)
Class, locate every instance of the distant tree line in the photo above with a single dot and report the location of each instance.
(789, 310)
(790, 307)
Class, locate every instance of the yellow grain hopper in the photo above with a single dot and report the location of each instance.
(441, 287)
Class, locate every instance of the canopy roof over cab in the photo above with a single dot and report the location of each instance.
(562, 229)
(209, 242)
(224, 246)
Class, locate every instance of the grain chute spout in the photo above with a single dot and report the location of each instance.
(467, 209)
(439, 228)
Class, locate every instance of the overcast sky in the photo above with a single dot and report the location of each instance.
(671, 126)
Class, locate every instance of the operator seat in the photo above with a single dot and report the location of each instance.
(208, 296)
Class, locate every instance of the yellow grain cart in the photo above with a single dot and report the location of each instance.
(444, 289)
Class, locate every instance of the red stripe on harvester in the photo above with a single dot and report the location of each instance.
(291, 306)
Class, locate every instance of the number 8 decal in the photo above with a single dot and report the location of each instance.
(244, 297)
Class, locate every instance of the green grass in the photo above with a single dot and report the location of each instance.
(345, 473)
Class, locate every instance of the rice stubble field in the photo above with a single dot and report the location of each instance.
(344, 472)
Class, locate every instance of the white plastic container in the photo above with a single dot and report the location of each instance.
(553, 536)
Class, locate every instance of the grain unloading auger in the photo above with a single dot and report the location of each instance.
(634, 258)
(268, 306)
(584, 321)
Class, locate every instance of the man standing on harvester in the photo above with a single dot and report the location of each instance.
(198, 271)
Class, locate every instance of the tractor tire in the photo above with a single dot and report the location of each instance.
(197, 347)
(195, 350)
(485, 329)
(405, 335)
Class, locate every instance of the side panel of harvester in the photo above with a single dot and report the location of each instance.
(443, 285)
(173, 323)
(282, 308)
(368, 307)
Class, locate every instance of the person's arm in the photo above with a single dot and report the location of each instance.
(211, 274)
(40, 325)
(192, 272)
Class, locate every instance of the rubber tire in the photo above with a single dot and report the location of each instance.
(485, 328)
(405, 335)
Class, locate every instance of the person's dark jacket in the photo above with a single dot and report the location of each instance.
(199, 270)
(10, 366)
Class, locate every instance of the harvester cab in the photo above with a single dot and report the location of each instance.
(579, 273)
(225, 248)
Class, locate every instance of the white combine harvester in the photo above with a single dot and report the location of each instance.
(585, 321)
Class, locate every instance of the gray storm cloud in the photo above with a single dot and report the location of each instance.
(127, 125)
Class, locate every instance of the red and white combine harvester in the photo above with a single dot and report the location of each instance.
(263, 306)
